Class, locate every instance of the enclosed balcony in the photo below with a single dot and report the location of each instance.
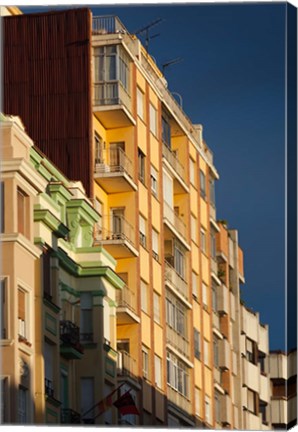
(176, 169)
(126, 309)
(114, 173)
(177, 341)
(175, 224)
(70, 347)
(117, 236)
(179, 400)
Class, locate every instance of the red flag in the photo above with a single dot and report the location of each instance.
(126, 404)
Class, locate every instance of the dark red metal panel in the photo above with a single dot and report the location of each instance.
(47, 82)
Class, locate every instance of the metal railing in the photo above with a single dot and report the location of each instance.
(126, 298)
(173, 161)
(114, 160)
(179, 400)
(120, 229)
(108, 24)
(49, 388)
(111, 93)
(126, 365)
(70, 335)
(175, 279)
(174, 220)
(69, 416)
(179, 342)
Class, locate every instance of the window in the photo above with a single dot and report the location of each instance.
(168, 190)
(157, 368)
(140, 103)
(2, 213)
(22, 315)
(262, 410)
(177, 375)
(155, 244)
(86, 317)
(213, 245)
(154, 181)
(203, 241)
(106, 320)
(251, 401)
(261, 361)
(251, 351)
(176, 315)
(205, 294)
(194, 282)
(197, 344)
(141, 159)
(144, 296)
(193, 228)
(22, 402)
(145, 357)
(156, 304)
(3, 399)
(49, 368)
(47, 275)
(202, 184)
(142, 228)
(192, 177)
(3, 311)
(216, 352)
(206, 352)
(212, 191)
(87, 399)
(217, 407)
(179, 259)
(98, 149)
(214, 298)
(153, 116)
(23, 222)
(166, 130)
(207, 410)
(197, 401)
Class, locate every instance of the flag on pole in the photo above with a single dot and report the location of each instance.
(105, 403)
(126, 404)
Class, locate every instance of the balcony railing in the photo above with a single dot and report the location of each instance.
(70, 335)
(173, 161)
(179, 400)
(126, 298)
(179, 342)
(121, 230)
(108, 24)
(126, 365)
(111, 93)
(69, 416)
(114, 161)
(174, 220)
(174, 278)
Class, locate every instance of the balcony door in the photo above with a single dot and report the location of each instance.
(116, 151)
(118, 221)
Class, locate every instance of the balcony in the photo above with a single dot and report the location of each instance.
(119, 239)
(115, 172)
(177, 341)
(126, 310)
(176, 169)
(213, 265)
(126, 365)
(226, 409)
(223, 299)
(69, 416)
(175, 224)
(70, 347)
(224, 354)
(180, 401)
(174, 280)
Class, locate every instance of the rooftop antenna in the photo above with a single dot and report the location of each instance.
(171, 62)
(146, 29)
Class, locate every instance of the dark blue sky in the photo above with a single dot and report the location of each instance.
(232, 80)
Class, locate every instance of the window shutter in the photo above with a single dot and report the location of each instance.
(21, 305)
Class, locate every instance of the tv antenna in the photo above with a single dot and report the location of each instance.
(171, 62)
(146, 29)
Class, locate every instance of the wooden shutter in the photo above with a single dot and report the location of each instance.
(21, 305)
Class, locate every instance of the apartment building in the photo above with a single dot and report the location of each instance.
(283, 375)
(102, 113)
(57, 290)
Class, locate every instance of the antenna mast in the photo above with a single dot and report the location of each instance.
(146, 31)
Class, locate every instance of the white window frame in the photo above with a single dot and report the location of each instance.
(142, 230)
(194, 284)
(205, 294)
(156, 306)
(153, 119)
(144, 296)
(157, 371)
(193, 228)
(206, 352)
(203, 243)
(145, 362)
(154, 181)
(140, 103)
(155, 244)
(192, 170)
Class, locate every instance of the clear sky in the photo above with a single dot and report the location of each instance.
(232, 80)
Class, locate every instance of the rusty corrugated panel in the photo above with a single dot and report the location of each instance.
(47, 82)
